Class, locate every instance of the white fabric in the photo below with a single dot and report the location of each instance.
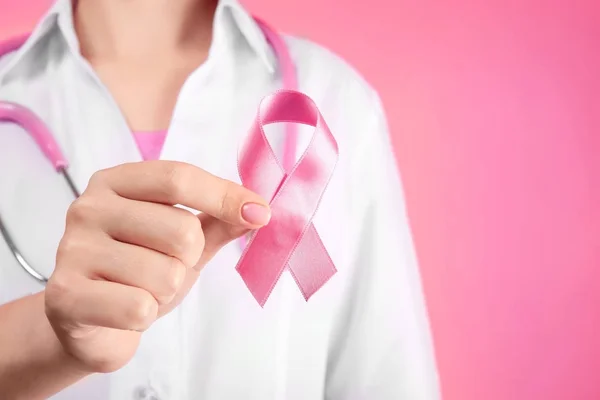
(364, 336)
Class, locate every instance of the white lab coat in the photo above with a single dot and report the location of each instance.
(363, 336)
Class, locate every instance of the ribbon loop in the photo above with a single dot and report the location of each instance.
(290, 239)
(288, 108)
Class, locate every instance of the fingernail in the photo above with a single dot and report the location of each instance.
(256, 214)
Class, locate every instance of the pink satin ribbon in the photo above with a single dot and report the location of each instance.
(290, 239)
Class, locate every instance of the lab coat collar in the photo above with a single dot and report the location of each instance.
(60, 16)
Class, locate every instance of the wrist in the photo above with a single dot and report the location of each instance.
(33, 362)
(57, 354)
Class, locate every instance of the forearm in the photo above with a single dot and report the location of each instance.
(33, 364)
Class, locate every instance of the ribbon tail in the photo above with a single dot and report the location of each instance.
(310, 264)
(260, 284)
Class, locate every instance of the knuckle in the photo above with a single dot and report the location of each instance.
(82, 210)
(141, 311)
(187, 234)
(97, 179)
(77, 212)
(68, 247)
(172, 280)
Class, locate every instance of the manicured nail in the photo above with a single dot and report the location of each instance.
(256, 214)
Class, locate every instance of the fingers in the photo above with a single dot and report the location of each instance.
(179, 183)
(98, 257)
(158, 274)
(166, 229)
(100, 303)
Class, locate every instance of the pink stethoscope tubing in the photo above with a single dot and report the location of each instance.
(39, 132)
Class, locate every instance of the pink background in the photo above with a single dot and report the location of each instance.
(494, 108)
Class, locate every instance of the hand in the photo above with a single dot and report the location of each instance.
(128, 256)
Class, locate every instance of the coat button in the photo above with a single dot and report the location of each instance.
(145, 393)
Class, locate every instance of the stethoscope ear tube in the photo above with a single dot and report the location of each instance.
(35, 127)
(15, 250)
(19, 257)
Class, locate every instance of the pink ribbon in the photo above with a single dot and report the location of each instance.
(290, 239)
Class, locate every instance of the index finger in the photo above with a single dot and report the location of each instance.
(171, 182)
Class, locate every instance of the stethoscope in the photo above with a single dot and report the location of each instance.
(35, 127)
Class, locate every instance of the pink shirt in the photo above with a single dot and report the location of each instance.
(150, 143)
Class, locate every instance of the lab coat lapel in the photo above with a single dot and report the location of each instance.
(200, 129)
(93, 132)
(218, 101)
(203, 130)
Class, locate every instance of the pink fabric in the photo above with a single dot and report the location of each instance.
(290, 239)
(150, 143)
(31, 123)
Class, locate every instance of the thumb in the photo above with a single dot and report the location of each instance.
(217, 234)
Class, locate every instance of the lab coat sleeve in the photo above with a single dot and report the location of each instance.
(384, 348)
